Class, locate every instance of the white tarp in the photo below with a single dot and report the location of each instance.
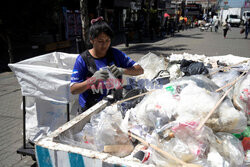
(45, 81)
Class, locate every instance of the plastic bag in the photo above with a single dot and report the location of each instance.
(222, 78)
(195, 103)
(152, 64)
(105, 133)
(242, 30)
(187, 144)
(158, 104)
(229, 60)
(230, 148)
(43, 117)
(193, 68)
(45, 82)
(190, 99)
(187, 56)
(214, 159)
(79, 139)
(132, 88)
(196, 141)
(241, 96)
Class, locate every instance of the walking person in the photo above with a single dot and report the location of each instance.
(247, 28)
(172, 27)
(225, 27)
(216, 24)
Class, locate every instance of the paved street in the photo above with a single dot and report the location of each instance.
(194, 42)
(189, 41)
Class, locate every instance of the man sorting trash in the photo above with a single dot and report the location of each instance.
(95, 67)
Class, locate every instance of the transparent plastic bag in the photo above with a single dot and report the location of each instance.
(189, 99)
(230, 119)
(105, 133)
(152, 64)
(198, 98)
(187, 145)
(241, 97)
(156, 106)
(222, 78)
(214, 159)
(230, 148)
(77, 139)
(196, 141)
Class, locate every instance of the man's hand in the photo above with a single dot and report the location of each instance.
(116, 71)
(99, 76)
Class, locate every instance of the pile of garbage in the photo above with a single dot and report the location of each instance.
(195, 113)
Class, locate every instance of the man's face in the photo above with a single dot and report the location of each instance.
(101, 43)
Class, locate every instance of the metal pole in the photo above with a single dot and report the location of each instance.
(185, 8)
(175, 9)
(78, 44)
(207, 7)
(99, 8)
(24, 123)
(68, 116)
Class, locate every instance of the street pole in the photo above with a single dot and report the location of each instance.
(99, 8)
(207, 8)
(175, 9)
(184, 8)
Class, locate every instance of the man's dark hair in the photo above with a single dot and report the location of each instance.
(99, 27)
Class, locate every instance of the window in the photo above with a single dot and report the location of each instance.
(234, 16)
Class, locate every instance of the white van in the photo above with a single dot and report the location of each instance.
(233, 20)
(245, 16)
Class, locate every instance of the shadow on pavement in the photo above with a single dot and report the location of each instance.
(194, 36)
(243, 38)
(148, 47)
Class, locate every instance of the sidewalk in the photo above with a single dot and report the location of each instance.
(11, 123)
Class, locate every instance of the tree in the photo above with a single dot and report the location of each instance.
(85, 21)
(5, 36)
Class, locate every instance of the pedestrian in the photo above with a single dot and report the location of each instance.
(172, 27)
(88, 70)
(225, 27)
(247, 28)
(216, 24)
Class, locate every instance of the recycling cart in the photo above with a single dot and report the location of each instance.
(52, 150)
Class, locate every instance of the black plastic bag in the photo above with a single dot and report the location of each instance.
(189, 67)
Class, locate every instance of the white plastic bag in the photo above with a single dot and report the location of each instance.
(45, 82)
(152, 64)
(241, 97)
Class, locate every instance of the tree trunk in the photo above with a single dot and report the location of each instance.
(6, 38)
(10, 51)
(85, 21)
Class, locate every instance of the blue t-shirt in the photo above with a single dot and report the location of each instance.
(80, 70)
